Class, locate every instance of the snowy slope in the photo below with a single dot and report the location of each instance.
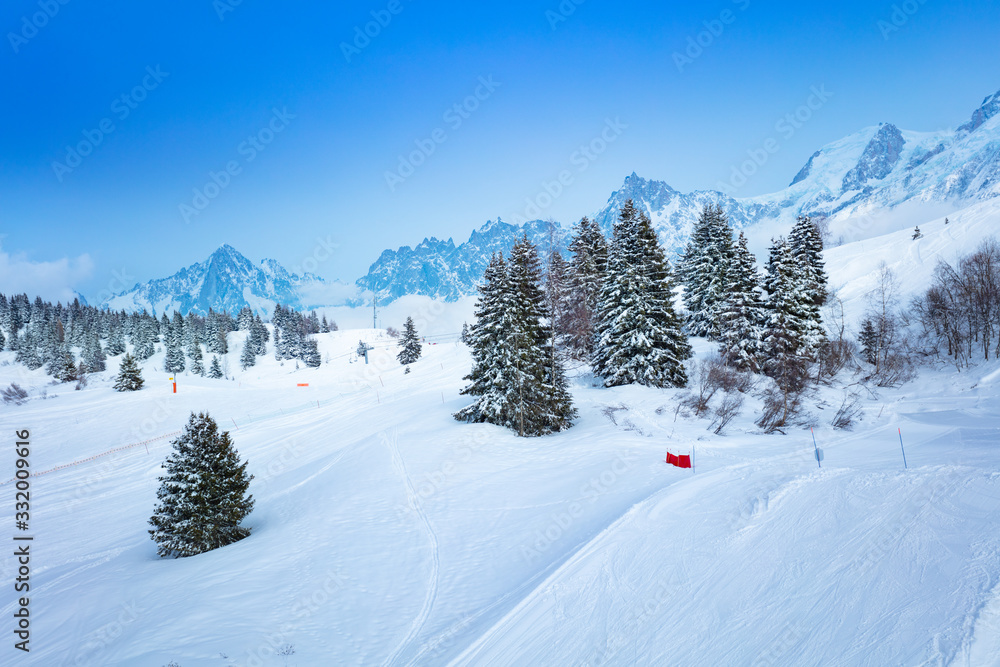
(387, 533)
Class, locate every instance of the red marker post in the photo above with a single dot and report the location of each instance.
(175, 384)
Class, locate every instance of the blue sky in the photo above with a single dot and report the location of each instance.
(253, 124)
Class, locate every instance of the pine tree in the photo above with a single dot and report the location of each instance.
(93, 355)
(638, 337)
(259, 337)
(215, 372)
(174, 361)
(741, 337)
(144, 339)
(868, 340)
(248, 358)
(586, 274)
(116, 341)
(66, 370)
(203, 495)
(558, 302)
(786, 331)
(245, 319)
(197, 359)
(324, 326)
(464, 336)
(541, 399)
(806, 243)
(310, 353)
(491, 377)
(129, 375)
(409, 343)
(704, 270)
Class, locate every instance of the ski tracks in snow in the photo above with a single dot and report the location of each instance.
(391, 441)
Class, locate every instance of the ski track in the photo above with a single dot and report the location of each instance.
(391, 442)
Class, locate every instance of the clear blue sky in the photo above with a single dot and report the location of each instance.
(555, 83)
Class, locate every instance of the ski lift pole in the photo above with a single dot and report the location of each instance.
(901, 447)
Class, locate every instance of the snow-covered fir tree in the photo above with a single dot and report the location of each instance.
(540, 395)
(787, 345)
(742, 315)
(174, 361)
(203, 496)
(806, 242)
(704, 270)
(868, 341)
(197, 359)
(93, 355)
(557, 300)
(129, 375)
(248, 357)
(491, 377)
(586, 274)
(637, 334)
(215, 370)
(310, 355)
(116, 342)
(66, 369)
(409, 343)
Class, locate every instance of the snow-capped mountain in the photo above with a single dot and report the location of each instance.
(226, 281)
(673, 212)
(883, 167)
(443, 270)
(870, 172)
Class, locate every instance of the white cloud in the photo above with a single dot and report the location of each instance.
(53, 281)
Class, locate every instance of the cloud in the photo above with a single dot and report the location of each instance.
(53, 281)
(327, 293)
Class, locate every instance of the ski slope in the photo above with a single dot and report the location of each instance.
(386, 533)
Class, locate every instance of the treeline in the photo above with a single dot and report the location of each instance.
(46, 336)
(613, 305)
(959, 316)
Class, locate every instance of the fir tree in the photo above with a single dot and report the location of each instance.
(66, 370)
(324, 326)
(806, 243)
(129, 375)
(491, 376)
(310, 353)
(197, 359)
(638, 338)
(144, 339)
(704, 270)
(541, 399)
(93, 355)
(116, 342)
(464, 336)
(215, 372)
(786, 331)
(203, 495)
(868, 340)
(409, 343)
(174, 361)
(248, 358)
(586, 274)
(742, 313)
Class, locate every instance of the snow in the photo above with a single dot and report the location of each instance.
(385, 532)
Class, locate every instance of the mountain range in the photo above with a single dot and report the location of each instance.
(876, 169)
